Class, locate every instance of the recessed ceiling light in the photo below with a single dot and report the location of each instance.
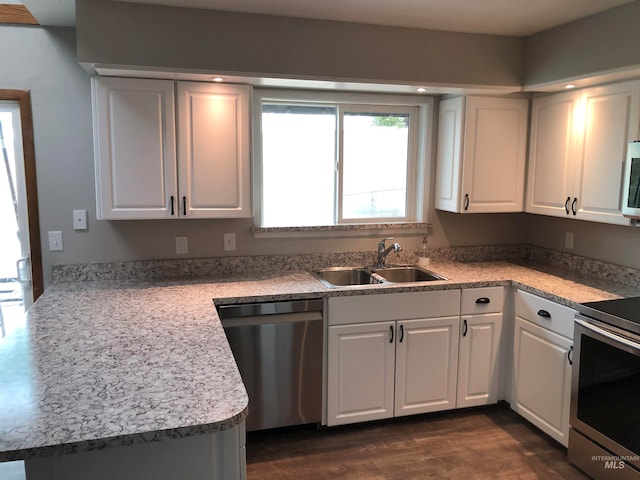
(421, 89)
(217, 79)
(571, 85)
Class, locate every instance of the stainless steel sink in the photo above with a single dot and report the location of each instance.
(362, 276)
(345, 276)
(405, 274)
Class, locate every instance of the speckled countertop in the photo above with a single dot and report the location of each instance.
(118, 362)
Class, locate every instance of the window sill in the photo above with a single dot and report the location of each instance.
(350, 230)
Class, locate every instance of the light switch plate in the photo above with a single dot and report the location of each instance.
(79, 219)
(55, 241)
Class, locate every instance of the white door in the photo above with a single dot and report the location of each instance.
(449, 156)
(478, 366)
(134, 143)
(15, 264)
(552, 154)
(495, 144)
(542, 378)
(426, 365)
(360, 372)
(611, 116)
(213, 150)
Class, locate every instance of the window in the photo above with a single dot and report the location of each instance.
(328, 158)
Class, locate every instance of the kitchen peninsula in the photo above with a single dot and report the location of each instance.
(128, 369)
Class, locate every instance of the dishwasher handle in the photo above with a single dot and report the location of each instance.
(271, 319)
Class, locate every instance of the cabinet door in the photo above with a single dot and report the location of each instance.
(134, 147)
(426, 365)
(360, 372)
(495, 143)
(552, 152)
(213, 150)
(449, 157)
(542, 378)
(479, 363)
(611, 116)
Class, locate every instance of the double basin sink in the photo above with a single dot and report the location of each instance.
(360, 276)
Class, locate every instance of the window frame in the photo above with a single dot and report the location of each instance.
(419, 155)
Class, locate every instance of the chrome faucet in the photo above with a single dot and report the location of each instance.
(382, 251)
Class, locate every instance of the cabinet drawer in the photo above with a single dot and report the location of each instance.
(393, 306)
(545, 313)
(482, 300)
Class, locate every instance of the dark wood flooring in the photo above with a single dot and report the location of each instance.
(481, 443)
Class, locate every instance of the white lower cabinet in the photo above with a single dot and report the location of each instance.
(426, 365)
(361, 372)
(415, 355)
(542, 364)
(385, 368)
(478, 365)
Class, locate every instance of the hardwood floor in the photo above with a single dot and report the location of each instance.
(481, 443)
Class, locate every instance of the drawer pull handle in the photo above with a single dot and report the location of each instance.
(391, 330)
(570, 355)
(401, 333)
(483, 300)
(465, 327)
(544, 314)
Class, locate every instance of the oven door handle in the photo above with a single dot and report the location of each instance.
(607, 334)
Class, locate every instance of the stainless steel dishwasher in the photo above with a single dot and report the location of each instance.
(278, 349)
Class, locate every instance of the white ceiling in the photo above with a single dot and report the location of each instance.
(500, 17)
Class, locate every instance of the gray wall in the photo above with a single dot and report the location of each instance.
(115, 33)
(44, 61)
(597, 44)
(611, 243)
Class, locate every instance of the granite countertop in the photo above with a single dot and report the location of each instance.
(118, 362)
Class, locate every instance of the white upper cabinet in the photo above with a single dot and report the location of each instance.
(134, 147)
(481, 154)
(551, 153)
(578, 149)
(213, 150)
(145, 170)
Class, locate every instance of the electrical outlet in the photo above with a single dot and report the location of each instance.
(229, 242)
(568, 240)
(182, 245)
(55, 241)
(79, 219)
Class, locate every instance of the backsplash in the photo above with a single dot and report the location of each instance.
(239, 265)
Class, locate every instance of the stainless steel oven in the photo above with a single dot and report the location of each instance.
(604, 438)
